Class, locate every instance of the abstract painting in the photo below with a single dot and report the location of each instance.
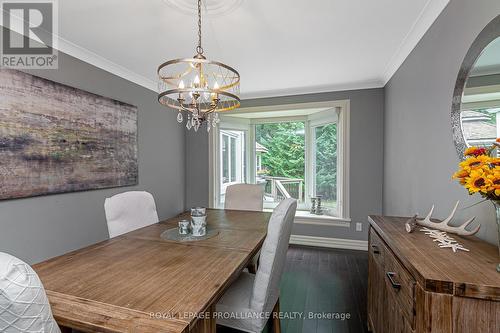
(55, 138)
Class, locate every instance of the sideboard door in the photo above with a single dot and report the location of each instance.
(385, 313)
(377, 304)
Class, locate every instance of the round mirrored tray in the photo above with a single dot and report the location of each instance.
(173, 234)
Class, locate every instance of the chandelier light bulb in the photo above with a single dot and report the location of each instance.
(214, 94)
(196, 81)
(181, 85)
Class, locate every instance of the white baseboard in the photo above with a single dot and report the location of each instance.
(337, 243)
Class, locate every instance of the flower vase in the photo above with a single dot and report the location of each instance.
(497, 211)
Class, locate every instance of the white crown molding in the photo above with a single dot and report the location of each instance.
(428, 15)
(96, 60)
(336, 243)
(369, 84)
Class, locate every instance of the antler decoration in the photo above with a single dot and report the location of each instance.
(444, 226)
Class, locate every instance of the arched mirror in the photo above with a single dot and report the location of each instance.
(476, 99)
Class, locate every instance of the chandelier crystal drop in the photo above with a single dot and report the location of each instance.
(198, 88)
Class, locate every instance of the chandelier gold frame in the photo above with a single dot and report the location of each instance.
(168, 97)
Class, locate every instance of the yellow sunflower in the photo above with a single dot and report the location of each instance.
(494, 178)
(461, 175)
(474, 163)
(494, 162)
(478, 182)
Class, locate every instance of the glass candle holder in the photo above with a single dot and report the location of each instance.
(199, 220)
(199, 230)
(184, 227)
(198, 211)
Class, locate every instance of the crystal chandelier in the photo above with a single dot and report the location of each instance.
(198, 88)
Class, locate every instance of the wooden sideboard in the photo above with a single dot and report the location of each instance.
(415, 286)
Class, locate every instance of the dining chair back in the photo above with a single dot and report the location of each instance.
(24, 306)
(253, 294)
(244, 197)
(129, 211)
(273, 257)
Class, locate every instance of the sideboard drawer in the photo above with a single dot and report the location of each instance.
(400, 285)
(377, 248)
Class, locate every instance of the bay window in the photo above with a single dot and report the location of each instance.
(292, 151)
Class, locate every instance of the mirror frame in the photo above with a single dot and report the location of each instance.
(485, 37)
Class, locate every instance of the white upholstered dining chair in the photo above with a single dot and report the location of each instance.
(253, 295)
(24, 307)
(244, 197)
(129, 211)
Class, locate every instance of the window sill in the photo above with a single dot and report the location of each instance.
(304, 217)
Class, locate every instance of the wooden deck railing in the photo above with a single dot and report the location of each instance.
(280, 188)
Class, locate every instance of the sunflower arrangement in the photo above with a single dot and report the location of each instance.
(480, 172)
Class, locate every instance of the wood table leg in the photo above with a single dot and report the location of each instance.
(252, 269)
(207, 324)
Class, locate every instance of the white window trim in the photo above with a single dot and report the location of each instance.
(312, 124)
(343, 153)
(238, 168)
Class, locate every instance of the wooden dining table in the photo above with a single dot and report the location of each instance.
(140, 282)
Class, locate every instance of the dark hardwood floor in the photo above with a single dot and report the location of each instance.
(323, 282)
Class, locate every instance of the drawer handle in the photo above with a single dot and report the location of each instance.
(375, 249)
(395, 285)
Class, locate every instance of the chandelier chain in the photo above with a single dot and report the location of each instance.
(199, 49)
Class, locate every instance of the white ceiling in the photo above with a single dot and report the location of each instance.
(280, 47)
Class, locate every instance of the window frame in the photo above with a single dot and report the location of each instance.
(311, 180)
(215, 161)
(341, 117)
(238, 169)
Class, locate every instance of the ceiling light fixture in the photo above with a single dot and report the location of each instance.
(198, 87)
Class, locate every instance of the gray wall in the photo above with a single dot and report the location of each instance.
(366, 164)
(419, 153)
(197, 172)
(38, 228)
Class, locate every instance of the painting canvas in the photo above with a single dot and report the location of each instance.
(55, 138)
